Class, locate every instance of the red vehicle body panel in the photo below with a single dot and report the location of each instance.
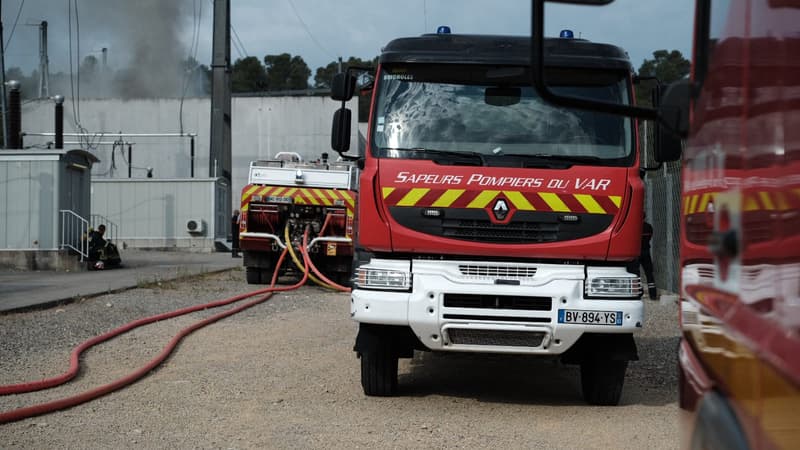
(740, 313)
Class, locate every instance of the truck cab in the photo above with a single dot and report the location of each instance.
(490, 221)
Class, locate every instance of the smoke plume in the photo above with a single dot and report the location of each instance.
(146, 50)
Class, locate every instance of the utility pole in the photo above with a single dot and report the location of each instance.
(219, 164)
(3, 81)
(44, 63)
(219, 161)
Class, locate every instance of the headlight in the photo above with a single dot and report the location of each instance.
(371, 278)
(614, 287)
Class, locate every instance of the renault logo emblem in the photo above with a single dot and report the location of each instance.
(500, 209)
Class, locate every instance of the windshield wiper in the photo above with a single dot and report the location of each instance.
(446, 156)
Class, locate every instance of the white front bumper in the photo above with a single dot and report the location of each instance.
(436, 325)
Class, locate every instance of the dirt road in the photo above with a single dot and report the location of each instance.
(283, 375)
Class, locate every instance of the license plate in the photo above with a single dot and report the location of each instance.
(590, 317)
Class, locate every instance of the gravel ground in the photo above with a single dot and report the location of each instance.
(283, 375)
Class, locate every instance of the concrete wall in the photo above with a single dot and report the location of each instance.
(152, 213)
(60, 260)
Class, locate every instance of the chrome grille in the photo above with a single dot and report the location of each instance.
(468, 336)
(475, 270)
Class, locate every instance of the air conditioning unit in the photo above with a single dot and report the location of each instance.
(196, 226)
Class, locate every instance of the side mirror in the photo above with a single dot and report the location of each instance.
(343, 86)
(672, 103)
(537, 70)
(340, 133)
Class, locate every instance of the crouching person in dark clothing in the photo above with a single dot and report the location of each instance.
(102, 254)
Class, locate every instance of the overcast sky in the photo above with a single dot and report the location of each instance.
(321, 30)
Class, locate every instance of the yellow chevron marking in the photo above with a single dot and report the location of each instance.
(346, 196)
(686, 201)
(519, 201)
(483, 199)
(553, 202)
(616, 199)
(248, 193)
(308, 197)
(448, 198)
(693, 204)
(750, 203)
(704, 199)
(264, 192)
(766, 201)
(245, 207)
(588, 202)
(278, 191)
(332, 194)
(387, 191)
(322, 197)
(413, 196)
(783, 204)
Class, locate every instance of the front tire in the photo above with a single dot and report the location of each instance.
(602, 380)
(379, 372)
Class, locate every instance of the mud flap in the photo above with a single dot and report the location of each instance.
(403, 341)
(616, 347)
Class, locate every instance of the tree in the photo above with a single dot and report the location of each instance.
(248, 75)
(667, 66)
(285, 72)
(324, 75)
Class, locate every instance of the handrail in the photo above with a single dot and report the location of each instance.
(74, 233)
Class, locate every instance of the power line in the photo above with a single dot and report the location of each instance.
(237, 43)
(11, 35)
(71, 71)
(308, 30)
(78, 59)
(236, 35)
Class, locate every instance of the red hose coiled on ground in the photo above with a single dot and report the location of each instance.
(43, 408)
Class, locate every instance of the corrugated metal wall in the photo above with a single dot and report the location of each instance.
(261, 127)
(153, 213)
(28, 191)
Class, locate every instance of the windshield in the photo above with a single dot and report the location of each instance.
(493, 111)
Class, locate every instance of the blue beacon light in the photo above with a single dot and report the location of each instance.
(568, 34)
(444, 29)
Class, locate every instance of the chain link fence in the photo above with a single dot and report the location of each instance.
(662, 207)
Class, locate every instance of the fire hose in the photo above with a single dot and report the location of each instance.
(67, 402)
(320, 279)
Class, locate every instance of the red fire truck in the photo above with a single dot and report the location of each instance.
(281, 199)
(490, 221)
(739, 113)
